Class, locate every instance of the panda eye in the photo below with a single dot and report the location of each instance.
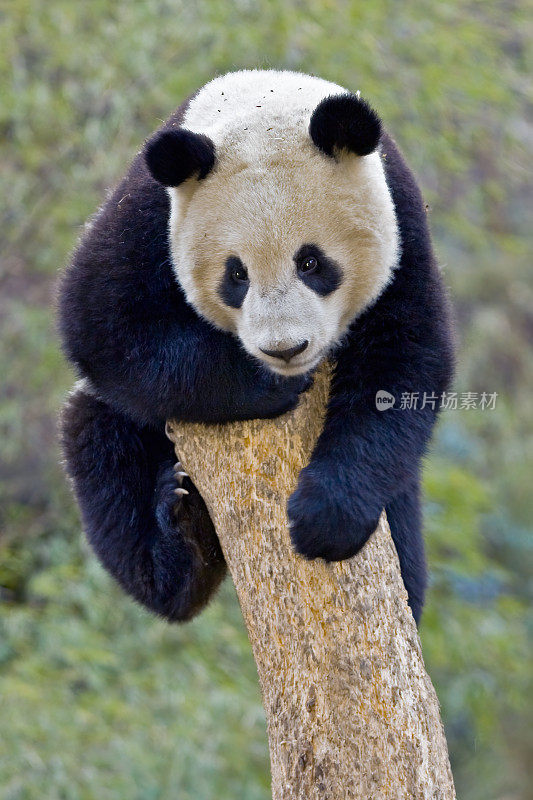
(240, 274)
(308, 265)
(316, 270)
(234, 283)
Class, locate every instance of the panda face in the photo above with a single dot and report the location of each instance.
(280, 243)
(284, 256)
(274, 324)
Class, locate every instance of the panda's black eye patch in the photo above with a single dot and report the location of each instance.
(234, 284)
(316, 270)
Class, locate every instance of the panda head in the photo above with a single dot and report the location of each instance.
(282, 227)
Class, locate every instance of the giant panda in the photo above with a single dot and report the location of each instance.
(270, 223)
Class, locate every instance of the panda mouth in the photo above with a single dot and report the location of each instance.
(290, 369)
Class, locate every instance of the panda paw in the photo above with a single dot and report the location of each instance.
(277, 395)
(322, 524)
(169, 495)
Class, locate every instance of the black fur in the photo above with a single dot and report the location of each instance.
(345, 122)
(127, 327)
(405, 520)
(174, 155)
(161, 549)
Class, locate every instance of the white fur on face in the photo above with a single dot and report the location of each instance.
(271, 192)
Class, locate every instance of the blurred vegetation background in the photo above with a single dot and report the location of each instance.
(97, 698)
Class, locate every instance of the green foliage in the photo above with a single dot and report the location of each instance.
(473, 631)
(99, 699)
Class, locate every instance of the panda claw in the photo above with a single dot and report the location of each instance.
(180, 492)
(179, 473)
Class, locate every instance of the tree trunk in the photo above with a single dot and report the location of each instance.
(351, 711)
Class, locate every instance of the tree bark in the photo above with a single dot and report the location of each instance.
(351, 711)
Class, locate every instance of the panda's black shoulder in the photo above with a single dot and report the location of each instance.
(132, 221)
(130, 230)
(416, 298)
(418, 274)
(123, 253)
(411, 212)
(121, 268)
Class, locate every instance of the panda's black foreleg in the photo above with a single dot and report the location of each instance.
(159, 545)
(405, 521)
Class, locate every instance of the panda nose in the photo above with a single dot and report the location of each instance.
(287, 353)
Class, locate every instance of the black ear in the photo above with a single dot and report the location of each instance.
(172, 156)
(345, 121)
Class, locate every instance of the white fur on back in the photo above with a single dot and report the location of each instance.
(271, 191)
